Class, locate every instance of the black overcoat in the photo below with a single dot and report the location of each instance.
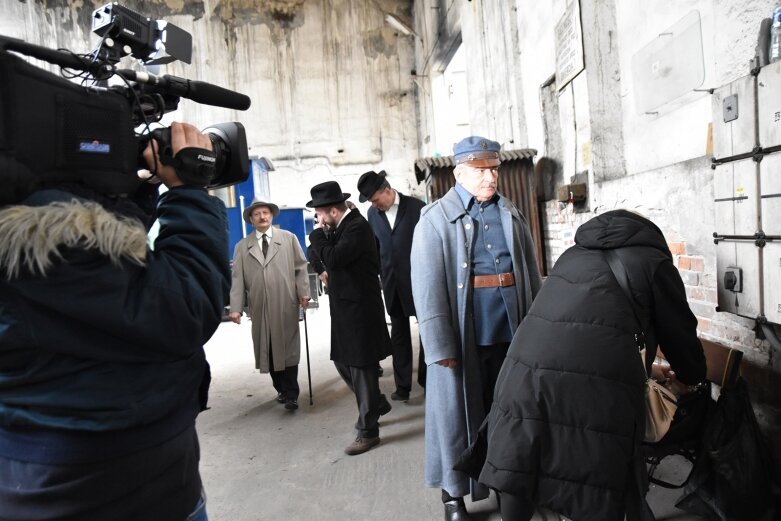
(395, 246)
(567, 418)
(359, 334)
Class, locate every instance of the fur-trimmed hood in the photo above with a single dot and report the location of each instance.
(33, 235)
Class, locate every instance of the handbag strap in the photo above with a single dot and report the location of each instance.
(619, 272)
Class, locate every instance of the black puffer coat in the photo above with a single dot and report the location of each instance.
(568, 409)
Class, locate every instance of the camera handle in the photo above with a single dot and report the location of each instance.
(194, 166)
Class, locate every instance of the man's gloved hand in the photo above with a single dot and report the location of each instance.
(183, 136)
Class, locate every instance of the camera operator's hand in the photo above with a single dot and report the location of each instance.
(183, 135)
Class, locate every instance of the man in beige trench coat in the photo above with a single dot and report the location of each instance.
(270, 278)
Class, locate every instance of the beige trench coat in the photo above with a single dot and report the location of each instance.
(270, 287)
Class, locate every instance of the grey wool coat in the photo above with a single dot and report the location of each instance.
(442, 250)
(270, 287)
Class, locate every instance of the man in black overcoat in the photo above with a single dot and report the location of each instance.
(345, 245)
(393, 217)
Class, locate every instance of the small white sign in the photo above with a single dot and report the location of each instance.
(569, 45)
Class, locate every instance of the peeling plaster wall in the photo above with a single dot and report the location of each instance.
(329, 80)
(489, 35)
(652, 163)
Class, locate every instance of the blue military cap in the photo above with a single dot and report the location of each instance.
(477, 151)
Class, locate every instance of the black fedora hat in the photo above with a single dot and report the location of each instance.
(326, 194)
(369, 183)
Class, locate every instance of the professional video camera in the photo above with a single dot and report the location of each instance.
(55, 131)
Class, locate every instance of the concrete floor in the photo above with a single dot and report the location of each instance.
(261, 462)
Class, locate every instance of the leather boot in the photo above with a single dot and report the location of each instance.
(456, 511)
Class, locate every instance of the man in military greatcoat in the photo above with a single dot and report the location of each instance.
(474, 274)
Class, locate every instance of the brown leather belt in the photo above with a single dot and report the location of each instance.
(493, 281)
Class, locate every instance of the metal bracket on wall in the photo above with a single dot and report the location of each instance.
(759, 238)
(757, 153)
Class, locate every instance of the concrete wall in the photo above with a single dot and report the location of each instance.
(329, 80)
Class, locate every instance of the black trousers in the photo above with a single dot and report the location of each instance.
(402, 352)
(285, 381)
(490, 359)
(364, 383)
(422, 365)
(402, 349)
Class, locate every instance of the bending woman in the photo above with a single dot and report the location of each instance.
(568, 415)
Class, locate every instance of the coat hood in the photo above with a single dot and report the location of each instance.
(618, 229)
(33, 233)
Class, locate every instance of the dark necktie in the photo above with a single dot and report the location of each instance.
(264, 246)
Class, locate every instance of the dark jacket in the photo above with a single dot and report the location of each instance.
(359, 335)
(109, 344)
(101, 355)
(395, 246)
(567, 419)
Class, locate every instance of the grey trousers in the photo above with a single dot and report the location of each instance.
(364, 383)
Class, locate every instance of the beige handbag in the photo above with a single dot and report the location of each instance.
(660, 402)
(660, 407)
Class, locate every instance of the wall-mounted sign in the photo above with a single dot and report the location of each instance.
(569, 45)
(669, 66)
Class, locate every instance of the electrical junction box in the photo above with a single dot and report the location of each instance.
(747, 194)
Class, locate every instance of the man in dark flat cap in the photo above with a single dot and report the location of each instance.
(344, 244)
(393, 217)
(474, 274)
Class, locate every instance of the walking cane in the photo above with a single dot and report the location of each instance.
(308, 368)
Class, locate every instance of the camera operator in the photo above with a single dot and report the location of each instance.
(101, 348)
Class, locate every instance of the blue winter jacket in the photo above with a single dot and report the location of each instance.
(99, 334)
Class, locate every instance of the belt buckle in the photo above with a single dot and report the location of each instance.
(501, 280)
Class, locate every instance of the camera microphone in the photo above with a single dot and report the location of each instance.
(198, 91)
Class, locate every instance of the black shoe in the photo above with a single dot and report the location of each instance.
(385, 406)
(291, 404)
(400, 395)
(280, 398)
(456, 511)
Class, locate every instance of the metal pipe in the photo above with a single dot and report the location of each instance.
(243, 224)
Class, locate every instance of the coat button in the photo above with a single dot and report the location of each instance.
(468, 226)
(485, 227)
(464, 265)
(460, 285)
